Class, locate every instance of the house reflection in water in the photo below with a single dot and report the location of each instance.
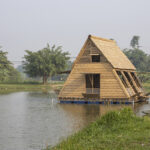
(88, 113)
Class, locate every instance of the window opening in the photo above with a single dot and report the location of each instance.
(136, 79)
(95, 58)
(130, 81)
(122, 79)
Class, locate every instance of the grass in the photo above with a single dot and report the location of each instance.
(8, 88)
(113, 131)
(146, 86)
(32, 86)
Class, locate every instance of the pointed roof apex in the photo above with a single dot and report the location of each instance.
(99, 38)
(112, 52)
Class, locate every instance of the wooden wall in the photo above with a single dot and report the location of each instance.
(109, 85)
(88, 51)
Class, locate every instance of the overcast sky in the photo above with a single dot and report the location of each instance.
(31, 24)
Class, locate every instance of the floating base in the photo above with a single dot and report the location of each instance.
(95, 102)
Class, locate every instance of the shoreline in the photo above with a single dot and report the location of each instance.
(10, 88)
(115, 130)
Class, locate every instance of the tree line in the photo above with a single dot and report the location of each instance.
(7, 71)
(44, 63)
(137, 56)
(51, 60)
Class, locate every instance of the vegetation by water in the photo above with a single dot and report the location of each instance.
(147, 86)
(46, 62)
(117, 130)
(137, 56)
(29, 86)
(32, 86)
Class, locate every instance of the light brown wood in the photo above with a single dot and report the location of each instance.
(128, 83)
(111, 59)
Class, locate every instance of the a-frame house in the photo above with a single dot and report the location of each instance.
(101, 71)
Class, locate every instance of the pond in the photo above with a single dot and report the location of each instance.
(33, 120)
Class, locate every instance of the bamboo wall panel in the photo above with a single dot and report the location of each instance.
(111, 58)
(109, 85)
(90, 49)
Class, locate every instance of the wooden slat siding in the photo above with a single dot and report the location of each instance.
(74, 86)
(109, 85)
(89, 49)
(80, 53)
(121, 84)
(127, 82)
(111, 57)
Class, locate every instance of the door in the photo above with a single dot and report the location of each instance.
(92, 83)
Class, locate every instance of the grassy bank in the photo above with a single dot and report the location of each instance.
(35, 86)
(7, 88)
(146, 86)
(114, 131)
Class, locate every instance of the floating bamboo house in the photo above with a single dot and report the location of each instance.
(101, 72)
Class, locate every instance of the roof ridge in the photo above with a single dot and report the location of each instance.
(99, 38)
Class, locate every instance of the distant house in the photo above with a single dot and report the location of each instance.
(101, 71)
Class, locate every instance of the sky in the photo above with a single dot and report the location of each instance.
(31, 24)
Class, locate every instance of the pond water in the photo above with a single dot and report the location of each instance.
(33, 120)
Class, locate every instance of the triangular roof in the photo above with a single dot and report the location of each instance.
(112, 53)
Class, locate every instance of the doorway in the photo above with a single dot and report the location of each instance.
(92, 83)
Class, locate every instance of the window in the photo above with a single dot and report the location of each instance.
(122, 79)
(95, 58)
(136, 79)
(130, 81)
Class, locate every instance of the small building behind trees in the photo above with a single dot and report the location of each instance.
(101, 71)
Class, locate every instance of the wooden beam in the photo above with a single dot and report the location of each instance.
(124, 89)
(128, 82)
(134, 84)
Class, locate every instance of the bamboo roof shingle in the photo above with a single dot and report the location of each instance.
(112, 53)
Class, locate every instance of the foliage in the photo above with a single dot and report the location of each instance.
(46, 62)
(135, 42)
(138, 57)
(7, 72)
(4, 66)
(146, 86)
(144, 76)
(62, 77)
(113, 131)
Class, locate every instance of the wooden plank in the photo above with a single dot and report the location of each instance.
(120, 83)
(128, 82)
(134, 84)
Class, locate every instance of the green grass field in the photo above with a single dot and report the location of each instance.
(6, 88)
(146, 86)
(113, 131)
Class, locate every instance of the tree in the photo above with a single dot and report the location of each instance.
(7, 71)
(4, 65)
(46, 62)
(135, 42)
(138, 57)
